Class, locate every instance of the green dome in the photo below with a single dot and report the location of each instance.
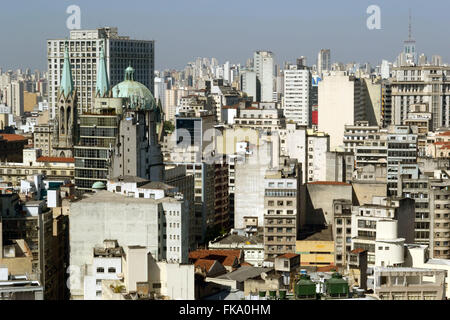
(140, 96)
(98, 185)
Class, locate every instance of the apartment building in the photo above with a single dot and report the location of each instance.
(401, 149)
(421, 84)
(42, 139)
(341, 102)
(282, 216)
(131, 215)
(297, 104)
(263, 65)
(409, 283)
(355, 135)
(263, 116)
(366, 217)
(44, 236)
(318, 144)
(342, 230)
(33, 163)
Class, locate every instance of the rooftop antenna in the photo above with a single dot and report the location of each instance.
(410, 28)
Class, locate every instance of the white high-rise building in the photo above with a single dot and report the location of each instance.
(248, 83)
(160, 90)
(14, 97)
(264, 68)
(84, 48)
(323, 61)
(385, 69)
(226, 72)
(341, 102)
(297, 82)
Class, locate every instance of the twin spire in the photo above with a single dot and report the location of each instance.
(102, 87)
(67, 86)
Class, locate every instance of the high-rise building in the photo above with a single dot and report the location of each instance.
(386, 104)
(385, 69)
(323, 61)
(401, 150)
(297, 104)
(421, 84)
(84, 51)
(248, 83)
(341, 102)
(14, 97)
(264, 68)
(282, 214)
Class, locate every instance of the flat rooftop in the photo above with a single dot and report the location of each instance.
(111, 197)
(325, 234)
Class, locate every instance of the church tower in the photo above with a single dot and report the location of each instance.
(64, 133)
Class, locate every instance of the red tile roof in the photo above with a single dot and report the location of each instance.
(357, 250)
(288, 255)
(330, 183)
(446, 133)
(13, 137)
(204, 264)
(55, 159)
(226, 257)
(327, 268)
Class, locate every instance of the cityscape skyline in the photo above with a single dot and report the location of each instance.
(289, 35)
(227, 151)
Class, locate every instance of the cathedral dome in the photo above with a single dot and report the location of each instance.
(140, 96)
(98, 185)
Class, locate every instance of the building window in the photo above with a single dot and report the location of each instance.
(112, 270)
(100, 270)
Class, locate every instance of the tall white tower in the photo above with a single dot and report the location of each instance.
(264, 68)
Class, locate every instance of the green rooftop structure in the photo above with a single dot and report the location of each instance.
(140, 97)
(66, 88)
(99, 185)
(336, 286)
(102, 85)
(305, 288)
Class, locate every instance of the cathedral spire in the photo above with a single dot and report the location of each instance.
(66, 87)
(102, 87)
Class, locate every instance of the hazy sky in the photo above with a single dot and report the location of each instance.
(231, 29)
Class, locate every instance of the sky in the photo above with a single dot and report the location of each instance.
(231, 30)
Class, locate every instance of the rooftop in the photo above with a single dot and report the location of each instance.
(226, 257)
(407, 269)
(13, 137)
(325, 234)
(111, 197)
(244, 273)
(234, 238)
(156, 185)
(128, 179)
(55, 159)
(287, 256)
(330, 183)
(357, 250)
(204, 264)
